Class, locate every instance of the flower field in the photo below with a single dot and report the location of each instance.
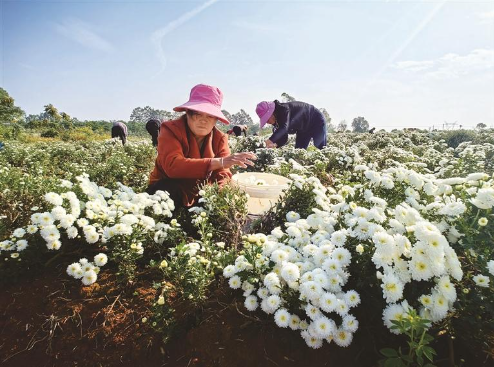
(380, 252)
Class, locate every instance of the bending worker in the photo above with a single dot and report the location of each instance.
(299, 118)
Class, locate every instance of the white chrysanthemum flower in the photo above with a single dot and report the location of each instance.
(235, 282)
(439, 308)
(338, 238)
(54, 245)
(312, 311)
(426, 301)
(89, 277)
(490, 266)
(341, 307)
(248, 288)
(21, 245)
(420, 268)
(19, 232)
(82, 222)
(263, 293)
(45, 219)
(277, 233)
(311, 290)
(32, 229)
(282, 318)
(67, 220)
(279, 256)
(229, 271)
(50, 233)
(342, 338)
(294, 232)
(350, 323)
(323, 327)
(393, 312)
(292, 216)
(352, 298)
(91, 237)
(100, 259)
(290, 272)
(58, 212)
(251, 303)
(74, 270)
(477, 176)
(312, 341)
(274, 302)
(342, 255)
(481, 280)
(332, 265)
(484, 198)
(483, 221)
(446, 288)
(271, 280)
(72, 232)
(392, 288)
(54, 199)
(294, 322)
(328, 302)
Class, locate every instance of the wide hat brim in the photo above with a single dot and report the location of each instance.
(264, 118)
(204, 107)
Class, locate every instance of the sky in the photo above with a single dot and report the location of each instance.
(398, 63)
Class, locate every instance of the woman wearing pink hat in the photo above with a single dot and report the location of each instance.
(299, 118)
(192, 151)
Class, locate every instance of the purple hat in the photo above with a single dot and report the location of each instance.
(264, 110)
(207, 99)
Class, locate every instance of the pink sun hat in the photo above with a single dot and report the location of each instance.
(207, 99)
(264, 110)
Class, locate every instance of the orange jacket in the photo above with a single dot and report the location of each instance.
(179, 157)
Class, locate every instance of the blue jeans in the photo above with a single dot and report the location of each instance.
(316, 131)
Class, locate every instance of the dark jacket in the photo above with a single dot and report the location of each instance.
(291, 117)
(153, 128)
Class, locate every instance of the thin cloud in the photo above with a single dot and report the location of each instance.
(451, 65)
(81, 32)
(158, 35)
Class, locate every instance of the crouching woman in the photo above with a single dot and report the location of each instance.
(192, 151)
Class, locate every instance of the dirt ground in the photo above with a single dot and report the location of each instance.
(50, 320)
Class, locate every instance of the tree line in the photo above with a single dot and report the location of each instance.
(51, 120)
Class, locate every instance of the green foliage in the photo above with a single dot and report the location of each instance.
(9, 112)
(225, 214)
(419, 352)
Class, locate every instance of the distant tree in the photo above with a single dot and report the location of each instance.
(360, 125)
(342, 126)
(327, 117)
(481, 126)
(65, 117)
(241, 118)
(9, 112)
(144, 114)
(285, 97)
(51, 113)
(227, 114)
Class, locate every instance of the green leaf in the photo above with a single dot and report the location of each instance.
(389, 352)
(429, 353)
(428, 338)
